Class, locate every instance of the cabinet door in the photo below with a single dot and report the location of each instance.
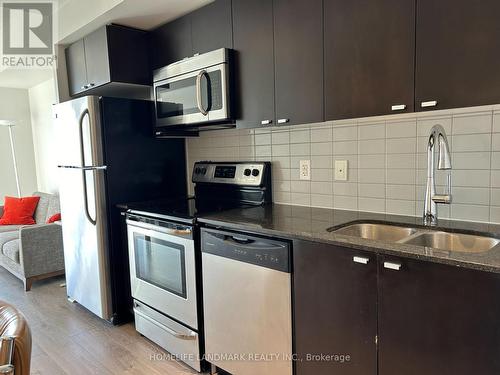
(171, 42)
(96, 57)
(75, 63)
(254, 62)
(458, 53)
(335, 301)
(298, 36)
(211, 27)
(437, 320)
(369, 57)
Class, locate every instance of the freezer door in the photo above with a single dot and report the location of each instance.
(83, 204)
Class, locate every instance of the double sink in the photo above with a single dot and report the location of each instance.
(436, 239)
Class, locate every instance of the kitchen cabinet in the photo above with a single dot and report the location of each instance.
(298, 56)
(437, 319)
(204, 30)
(369, 51)
(211, 27)
(171, 42)
(458, 53)
(335, 302)
(112, 54)
(254, 62)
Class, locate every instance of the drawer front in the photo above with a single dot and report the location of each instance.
(177, 339)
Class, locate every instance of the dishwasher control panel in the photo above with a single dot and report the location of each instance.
(264, 252)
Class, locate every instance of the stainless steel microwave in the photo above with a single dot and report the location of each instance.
(193, 91)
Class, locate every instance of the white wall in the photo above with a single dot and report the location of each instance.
(14, 105)
(41, 99)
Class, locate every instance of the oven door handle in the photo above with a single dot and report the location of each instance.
(191, 336)
(203, 111)
(173, 232)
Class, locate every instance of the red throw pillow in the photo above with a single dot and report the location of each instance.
(19, 211)
(54, 218)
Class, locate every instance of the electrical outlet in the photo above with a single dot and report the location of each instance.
(341, 170)
(305, 170)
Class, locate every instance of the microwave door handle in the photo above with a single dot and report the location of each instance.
(203, 111)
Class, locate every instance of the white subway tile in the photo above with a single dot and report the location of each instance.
(476, 124)
(282, 197)
(401, 129)
(470, 178)
(280, 150)
(300, 199)
(374, 176)
(300, 149)
(400, 207)
(470, 160)
(425, 124)
(495, 142)
(371, 204)
(345, 148)
(371, 190)
(263, 150)
(300, 136)
(345, 133)
(263, 139)
(495, 178)
(318, 187)
(279, 138)
(406, 192)
(401, 146)
(496, 123)
(471, 142)
(323, 148)
(401, 176)
(345, 188)
(495, 214)
(301, 186)
(470, 212)
(371, 161)
(371, 131)
(372, 146)
(352, 160)
(320, 200)
(321, 162)
(495, 160)
(279, 185)
(401, 161)
(495, 197)
(321, 135)
(281, 162)
(343, 202)
(467, 195)
(321, 174)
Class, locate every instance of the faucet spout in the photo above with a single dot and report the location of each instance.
(437, 135)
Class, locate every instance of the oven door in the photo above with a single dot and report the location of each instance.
(193, 98)
(162, 270)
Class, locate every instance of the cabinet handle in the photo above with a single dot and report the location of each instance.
(283, 120)
(361, 260)
(392, 266)
(266, 122)
(398, 107)
(91, 84)
(83, 87)
(430, 103)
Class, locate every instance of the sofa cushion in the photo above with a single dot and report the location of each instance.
(6, 237)
(19, 210)
(42, 208)
(11, 250)
(9, 228)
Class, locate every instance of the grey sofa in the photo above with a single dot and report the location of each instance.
(34, 252)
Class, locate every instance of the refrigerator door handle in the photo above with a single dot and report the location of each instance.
(90, 168)
(84, 170)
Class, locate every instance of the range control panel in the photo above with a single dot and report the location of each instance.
(238, 173)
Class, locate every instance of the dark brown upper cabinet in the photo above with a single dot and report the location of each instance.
(112, 54)
(298, 58)
(335, 308)
(369, 57)
(254, 62)
(206, 29)
(458, 53)
(437, 319)
(211, 27)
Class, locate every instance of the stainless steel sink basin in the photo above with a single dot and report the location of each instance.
(379, 232)
(457, 242)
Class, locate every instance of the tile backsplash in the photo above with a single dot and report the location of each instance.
(387, 161)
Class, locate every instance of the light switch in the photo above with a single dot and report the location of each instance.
(341, 170)
(305, 170)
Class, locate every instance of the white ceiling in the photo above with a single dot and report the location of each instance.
(77, 18)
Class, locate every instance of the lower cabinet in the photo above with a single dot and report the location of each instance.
(437, 319)
(335, 300)
(357, 313)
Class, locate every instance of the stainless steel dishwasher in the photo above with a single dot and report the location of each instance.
(247, 303)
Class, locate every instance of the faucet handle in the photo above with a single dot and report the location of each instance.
(446, 197)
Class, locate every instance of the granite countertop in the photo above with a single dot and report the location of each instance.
(307, 223)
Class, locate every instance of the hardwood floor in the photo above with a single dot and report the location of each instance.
(67, 339)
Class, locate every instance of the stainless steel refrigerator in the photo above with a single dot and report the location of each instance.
(107, 154)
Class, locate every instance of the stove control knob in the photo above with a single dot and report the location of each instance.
(247, 172)
(255, 172)
(203, 170)
(197, 170)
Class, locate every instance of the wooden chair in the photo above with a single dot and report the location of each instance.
(15, 341)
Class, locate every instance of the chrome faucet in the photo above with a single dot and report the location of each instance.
(444, 163)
